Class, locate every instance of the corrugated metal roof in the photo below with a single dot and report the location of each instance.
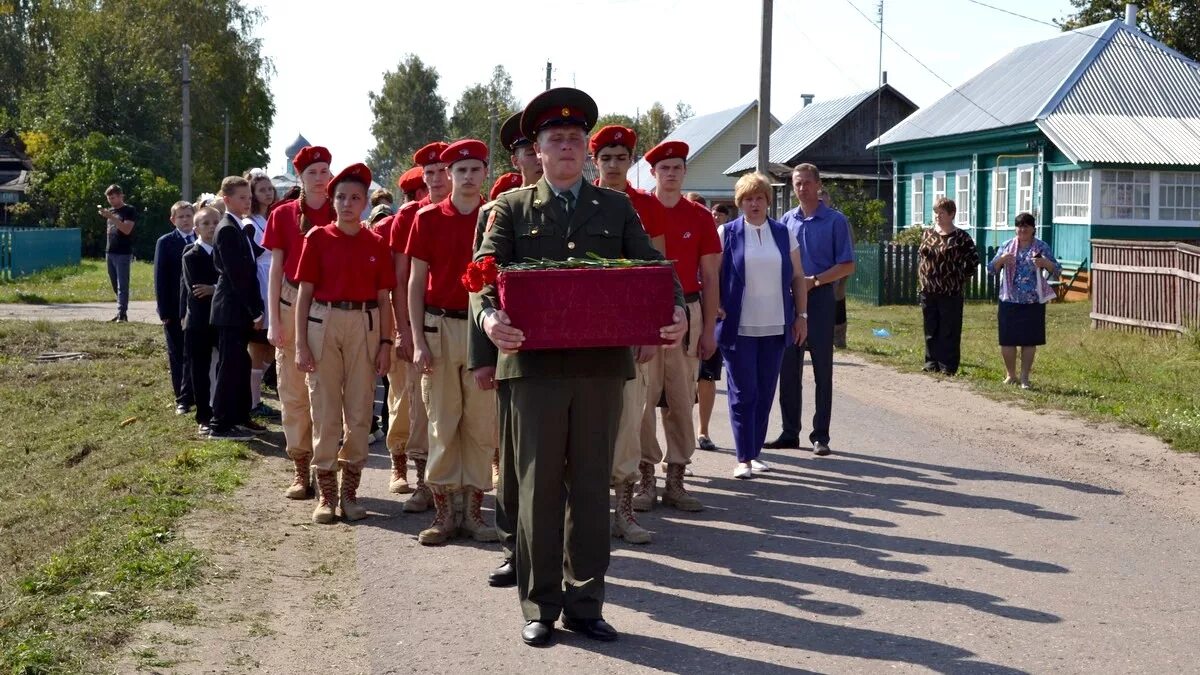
(698, 133)
(1122, 139)
(805, 127)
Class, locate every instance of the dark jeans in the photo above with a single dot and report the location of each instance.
(231, 405)
(821, 309)
(753, 367)
(177, 358)
(943, 315)
(200, 343)
(118, 276)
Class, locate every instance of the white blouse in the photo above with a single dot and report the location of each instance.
(762, 302)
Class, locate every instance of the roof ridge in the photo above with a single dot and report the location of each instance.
(1085, 62)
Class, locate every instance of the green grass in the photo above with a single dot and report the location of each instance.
(1148, 382)
(85, 282)
(98, 471)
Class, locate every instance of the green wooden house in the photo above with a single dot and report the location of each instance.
(1096, 132)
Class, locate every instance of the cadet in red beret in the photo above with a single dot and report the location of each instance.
(692, 242)
(412, 184)
(284, 237)
(343, 339)
(505, 183)
(408, 424)
(613, 149)
(462, 416)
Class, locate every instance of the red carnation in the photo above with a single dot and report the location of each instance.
(487, 266)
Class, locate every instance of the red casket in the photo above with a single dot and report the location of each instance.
(600, 307)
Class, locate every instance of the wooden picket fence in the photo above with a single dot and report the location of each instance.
(886, 274)
(1146, 286)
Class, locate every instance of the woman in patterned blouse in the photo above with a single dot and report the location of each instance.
(948, 259)
(1024, 290)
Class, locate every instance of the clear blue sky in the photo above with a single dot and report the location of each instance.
(626, 53)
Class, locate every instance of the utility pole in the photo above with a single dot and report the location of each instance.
(492, 139)
(879, 109)
(226, 165)
(764, 93)
(549, 68)
(185, 181)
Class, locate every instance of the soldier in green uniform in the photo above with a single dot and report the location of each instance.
(563, 405)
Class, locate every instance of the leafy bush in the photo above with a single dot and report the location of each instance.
(909, 236)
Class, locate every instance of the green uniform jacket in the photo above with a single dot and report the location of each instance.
(530, 222)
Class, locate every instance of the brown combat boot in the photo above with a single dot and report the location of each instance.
(327, 495)
(646, 492)
(422, 497)
(301, 487)
(675, 494)
(473, 524)
(350, 508)
(625, 526)
(442, 528)
(399, 484)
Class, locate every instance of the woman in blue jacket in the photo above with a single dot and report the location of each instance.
(765, 303)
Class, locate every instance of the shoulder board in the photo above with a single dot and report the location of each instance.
(488, 205)
(603, 189)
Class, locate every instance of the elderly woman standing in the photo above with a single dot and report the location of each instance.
(948, 259)
(765, 306)
(1023, 294)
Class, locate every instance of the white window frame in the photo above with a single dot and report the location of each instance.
(1069, 188)
(937, 194)
(1163, 184)
(962, 198)
(918, 200)
(1000, 197)
(1121, 196)
(1025, 192)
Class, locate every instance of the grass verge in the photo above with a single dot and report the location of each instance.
(1148, 382)
(99, 470)
(85, 282)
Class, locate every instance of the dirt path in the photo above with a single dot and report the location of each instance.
(142, 311)
(947, 533)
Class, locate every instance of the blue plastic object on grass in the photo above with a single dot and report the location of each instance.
(882, 333)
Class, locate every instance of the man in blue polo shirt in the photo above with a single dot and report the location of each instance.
(827, 252)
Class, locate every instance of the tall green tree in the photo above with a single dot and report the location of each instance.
(479, 106)
(408, 114)
(654, 125)
(1175, 23)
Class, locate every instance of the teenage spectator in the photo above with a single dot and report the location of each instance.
(168, 269)
(948, 259)
(696, 198)
(382, 196)
(120, 219)
(199, 284)
(262, 353)
(1024, 292)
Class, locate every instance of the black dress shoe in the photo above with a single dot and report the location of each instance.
(182, 409)
(781, 443)
(504, 576)
(537, 633)
(596, 629)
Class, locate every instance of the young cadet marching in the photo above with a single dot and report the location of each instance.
(462, 416)
(408, 423)
(692, 242)
(612, 150)
(343, 338)
(481, 355)
(560, 423)
(286, 226)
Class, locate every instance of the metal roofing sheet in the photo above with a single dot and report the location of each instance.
(805, 127)
(1125, 139)
(697, 132)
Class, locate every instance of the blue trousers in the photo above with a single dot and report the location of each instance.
(118, 276)
(753, 367)
(821, 309)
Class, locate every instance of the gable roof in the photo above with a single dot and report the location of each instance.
(807, 126)
(1103, 93)
(698, 132)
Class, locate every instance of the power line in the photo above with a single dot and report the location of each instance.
(1019, 16)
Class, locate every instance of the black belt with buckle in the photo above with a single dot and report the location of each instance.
(448, 313)
(691, 297)
(369, 304)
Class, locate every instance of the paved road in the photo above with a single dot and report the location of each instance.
(947, 533)
(141, 311)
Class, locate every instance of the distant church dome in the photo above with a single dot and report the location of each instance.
(296, 146)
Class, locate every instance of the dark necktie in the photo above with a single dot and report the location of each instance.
(568, 200)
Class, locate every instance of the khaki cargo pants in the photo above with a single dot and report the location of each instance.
(344, 344)
(673, 369)
(293, 391)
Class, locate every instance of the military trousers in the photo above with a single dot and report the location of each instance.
(408, 425)
(628, 451)
(344, 344)
(293, 390)
(564, 430)
(675, 371)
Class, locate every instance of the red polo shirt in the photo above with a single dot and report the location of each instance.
(444, 239)
(283, 231)
(345, 268)
(691, 233)
(402, 222)
(649, 210)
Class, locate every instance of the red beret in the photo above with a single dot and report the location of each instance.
(411, 180)
(505, 183)
(468, 148)
(667, 150)
(355, 172)
(430, 154)
(308, 155)
(613, 134)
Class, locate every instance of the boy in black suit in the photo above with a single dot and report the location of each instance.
(195, 295)
(237, 308)
(168, 269)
